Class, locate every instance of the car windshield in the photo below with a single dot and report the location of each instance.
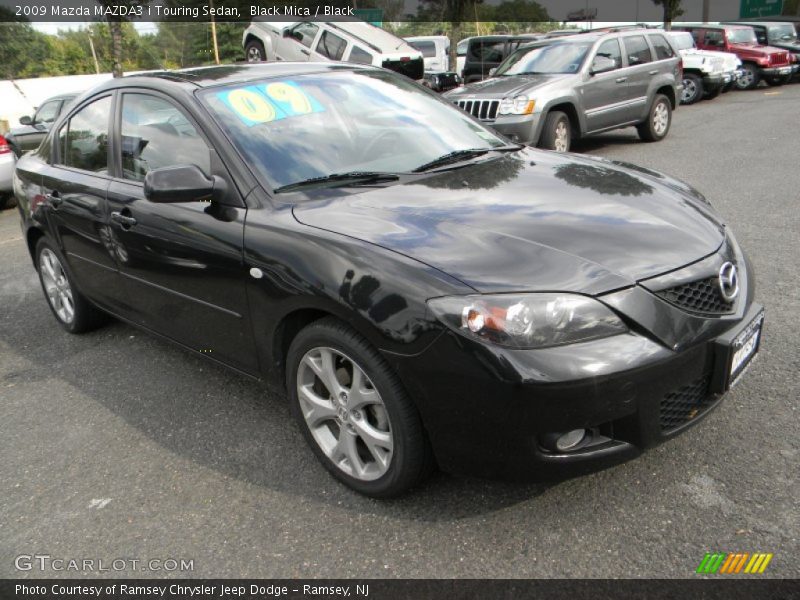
(742, 36)
(312, 126)
(782, 33)
(554, 58)
(682, 41)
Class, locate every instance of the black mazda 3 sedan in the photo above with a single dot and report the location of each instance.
(428, 293)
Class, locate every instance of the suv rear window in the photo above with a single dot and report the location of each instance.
(485, 51)
(360, 56)
(638, 50)
(662, 47)
(428, 49)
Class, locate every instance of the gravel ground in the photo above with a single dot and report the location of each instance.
(117, 445)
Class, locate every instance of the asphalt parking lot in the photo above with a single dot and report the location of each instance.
(117, 445)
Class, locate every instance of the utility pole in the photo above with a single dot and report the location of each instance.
(214, 32)
(94, 55)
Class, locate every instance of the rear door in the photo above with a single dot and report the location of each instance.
(329, 46)
(76, 185)
(181, 263)
(605, 95)
(639, 73)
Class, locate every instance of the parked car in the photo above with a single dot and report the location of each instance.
(556, 33)
(485, 53)
(348, 41)
(435, 51)
(773, 65)
(570, 87)
(778, 34)
(705, 73)
(7, 161)
(313, 218)
(34, 129)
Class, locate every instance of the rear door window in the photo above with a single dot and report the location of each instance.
(662, 47)
(638, 50)
(331, 45)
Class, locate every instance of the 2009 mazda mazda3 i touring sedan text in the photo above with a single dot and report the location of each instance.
(428, 293)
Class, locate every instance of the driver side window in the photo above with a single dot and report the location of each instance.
(305, 33)
(156, 134)
(47, 113)
(610, 49)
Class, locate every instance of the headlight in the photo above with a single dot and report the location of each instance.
(528, 320)
(521, 105)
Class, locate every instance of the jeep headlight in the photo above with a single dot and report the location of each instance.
(519, 105)
(535, 320)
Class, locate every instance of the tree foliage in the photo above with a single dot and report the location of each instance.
(672, 10)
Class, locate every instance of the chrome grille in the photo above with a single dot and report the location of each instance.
(485, 110)
(701, 296)
(685, 403)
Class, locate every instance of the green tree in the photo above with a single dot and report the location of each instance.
(672, 10)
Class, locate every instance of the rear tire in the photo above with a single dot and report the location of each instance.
(366, 430)
(750, 77)
(692, 88)
(254, 52)
(658, 122)
(556, 132)
(70, 308)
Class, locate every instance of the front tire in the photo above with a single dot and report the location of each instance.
(659, 120)
(692, 88)
(750, 77)
(556, 132)
(71, 309)
(353, 411)
(254, 52)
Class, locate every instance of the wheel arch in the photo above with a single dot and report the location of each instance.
(668, 91)
(568, 108)
(32, 237)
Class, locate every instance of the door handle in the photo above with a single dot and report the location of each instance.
(126, 221)
(621, 79)
(653, 72)
(304, 52)
(54, 198)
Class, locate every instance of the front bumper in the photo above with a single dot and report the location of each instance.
(487, 409)
(781, 71)
(523, 129)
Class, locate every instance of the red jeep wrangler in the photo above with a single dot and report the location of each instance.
(774, 65)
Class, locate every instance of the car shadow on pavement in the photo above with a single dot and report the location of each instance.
(208, 415)
(592, 144)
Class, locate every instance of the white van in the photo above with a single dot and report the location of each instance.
(435, 51)
(348, 41)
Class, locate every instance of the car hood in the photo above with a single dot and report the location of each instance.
(503, 86)
(530, 221)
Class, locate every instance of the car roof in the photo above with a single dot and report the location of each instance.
(712, 26)
(754, 23)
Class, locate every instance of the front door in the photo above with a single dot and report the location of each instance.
(297, 45)
(182, 263)
(605, 95)
(75, 185)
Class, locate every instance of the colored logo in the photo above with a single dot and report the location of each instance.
(729, 563)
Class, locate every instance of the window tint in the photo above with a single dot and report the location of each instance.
(637, 49)
(714, 38)
(331, 45)
(84, 139)
(486, 51)
(662, 47)
(360, 56)
(47, 112)
(305, 33)
(156, 134)
(428, 49)
(610, 49)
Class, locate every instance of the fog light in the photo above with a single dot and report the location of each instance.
(570, 440)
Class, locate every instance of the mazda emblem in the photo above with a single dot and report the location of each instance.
(728, 281)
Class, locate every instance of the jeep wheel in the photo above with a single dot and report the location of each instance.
(556, 133)
(254, 51)
(692, 88)
(659, 119)
(750, 77)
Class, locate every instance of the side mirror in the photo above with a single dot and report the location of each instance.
(287, 33)
(602, 64)
(26, 120)
(492, 71)
(182, 183)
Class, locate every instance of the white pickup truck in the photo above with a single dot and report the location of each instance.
(705, 73)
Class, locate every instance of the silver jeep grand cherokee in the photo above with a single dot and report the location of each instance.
(551, 92)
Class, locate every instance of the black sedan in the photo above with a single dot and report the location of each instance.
(428, 293)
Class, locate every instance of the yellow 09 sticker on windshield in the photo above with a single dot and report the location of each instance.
(256, 104)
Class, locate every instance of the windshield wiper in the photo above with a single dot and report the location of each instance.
(459, 155)
(350, 178)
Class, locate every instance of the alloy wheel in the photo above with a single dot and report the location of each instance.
(254, 54)
(660, 118)
(561, 141)
(345, 413)
(689, 90)
(56, 285)
(746, 80)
